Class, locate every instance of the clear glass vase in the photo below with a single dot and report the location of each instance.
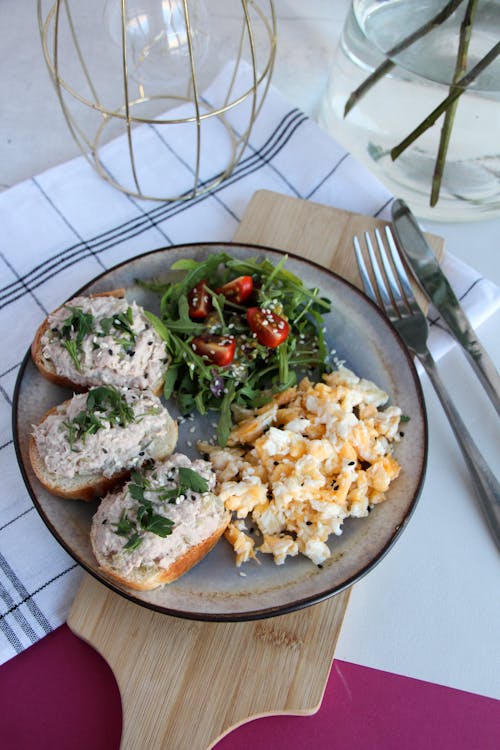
(420, 79)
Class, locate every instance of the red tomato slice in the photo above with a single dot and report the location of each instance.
(200, 303)
(271, 329)
(217, 349)
(237, 290)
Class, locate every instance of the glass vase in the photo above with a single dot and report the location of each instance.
(419, 79)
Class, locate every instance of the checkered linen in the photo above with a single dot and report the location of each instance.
(67, 225)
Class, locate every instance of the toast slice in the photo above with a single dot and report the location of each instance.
(156, 527)
(100, 339)
(91, 442)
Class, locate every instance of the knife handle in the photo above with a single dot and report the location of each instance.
(485, 482)
(486, 372)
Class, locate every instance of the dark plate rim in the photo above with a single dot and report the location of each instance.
(250, 615)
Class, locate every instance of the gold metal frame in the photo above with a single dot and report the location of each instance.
(51, 31)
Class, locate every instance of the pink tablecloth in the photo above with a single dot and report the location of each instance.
(60, 694)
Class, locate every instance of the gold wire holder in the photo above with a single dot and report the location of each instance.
(251, 25)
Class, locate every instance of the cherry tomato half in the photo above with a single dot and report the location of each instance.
(271, 329)
(237, 290)
(217, 349)
(200, 303)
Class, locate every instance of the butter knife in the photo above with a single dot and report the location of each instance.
(435, 285)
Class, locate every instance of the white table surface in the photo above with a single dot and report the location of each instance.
(431, 609)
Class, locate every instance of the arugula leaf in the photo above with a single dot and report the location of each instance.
(225, 420)
(256, 371)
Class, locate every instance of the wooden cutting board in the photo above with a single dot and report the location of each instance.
(185, 684)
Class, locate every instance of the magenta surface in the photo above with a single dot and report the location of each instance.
(61, 694)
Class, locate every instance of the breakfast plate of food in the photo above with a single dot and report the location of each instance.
(221, 431)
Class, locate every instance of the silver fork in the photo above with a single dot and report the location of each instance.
(403, 311)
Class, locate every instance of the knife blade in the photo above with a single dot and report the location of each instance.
(436, 287)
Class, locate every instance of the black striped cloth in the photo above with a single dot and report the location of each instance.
(63, 227)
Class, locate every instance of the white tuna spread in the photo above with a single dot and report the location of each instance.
(106, 357)
(111, 448)
(195, 517)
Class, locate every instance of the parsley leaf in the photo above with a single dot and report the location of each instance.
(191, 480)
(74, 329)
(103, 404)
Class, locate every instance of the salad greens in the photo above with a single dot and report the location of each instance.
(279, 303)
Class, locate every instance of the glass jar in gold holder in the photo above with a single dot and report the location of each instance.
(196, 72)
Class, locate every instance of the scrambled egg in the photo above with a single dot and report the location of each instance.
(297, 467)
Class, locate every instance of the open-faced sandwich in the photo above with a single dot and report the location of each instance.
(160, 524)
(91, 442)
(100, 339)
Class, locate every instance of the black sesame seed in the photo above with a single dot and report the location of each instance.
(351, 463)
(320, 567)
(110, 351)
(141, 453)
(401, 434)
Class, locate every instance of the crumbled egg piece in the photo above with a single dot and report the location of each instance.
(299, 466)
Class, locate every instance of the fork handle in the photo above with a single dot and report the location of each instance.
(485, 482)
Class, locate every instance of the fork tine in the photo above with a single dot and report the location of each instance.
(398, 265)
(363, 272)
(380, 281)
(389, 273)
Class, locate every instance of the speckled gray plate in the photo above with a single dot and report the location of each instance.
(216, 589)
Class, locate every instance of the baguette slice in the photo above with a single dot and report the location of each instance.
(199, 519)
(106, 362)
(90, 465)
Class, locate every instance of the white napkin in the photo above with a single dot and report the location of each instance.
(67, 225)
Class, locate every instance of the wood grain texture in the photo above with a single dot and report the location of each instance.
(185, 684)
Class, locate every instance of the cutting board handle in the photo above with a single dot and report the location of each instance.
(185, 684)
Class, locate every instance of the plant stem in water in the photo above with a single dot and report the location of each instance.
(449, 118)
(459, 88)
(386, 66)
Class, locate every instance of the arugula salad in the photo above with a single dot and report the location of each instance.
(236, 331)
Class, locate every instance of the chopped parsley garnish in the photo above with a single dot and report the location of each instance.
(122, 323)
(257, 371)
(79, 324)
(187, 480)
(104, 404)
(147, 519)
(74, 329)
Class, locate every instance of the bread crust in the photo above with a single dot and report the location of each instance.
(46, 369)
(167, 575)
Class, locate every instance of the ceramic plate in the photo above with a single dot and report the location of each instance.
(216, 589)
